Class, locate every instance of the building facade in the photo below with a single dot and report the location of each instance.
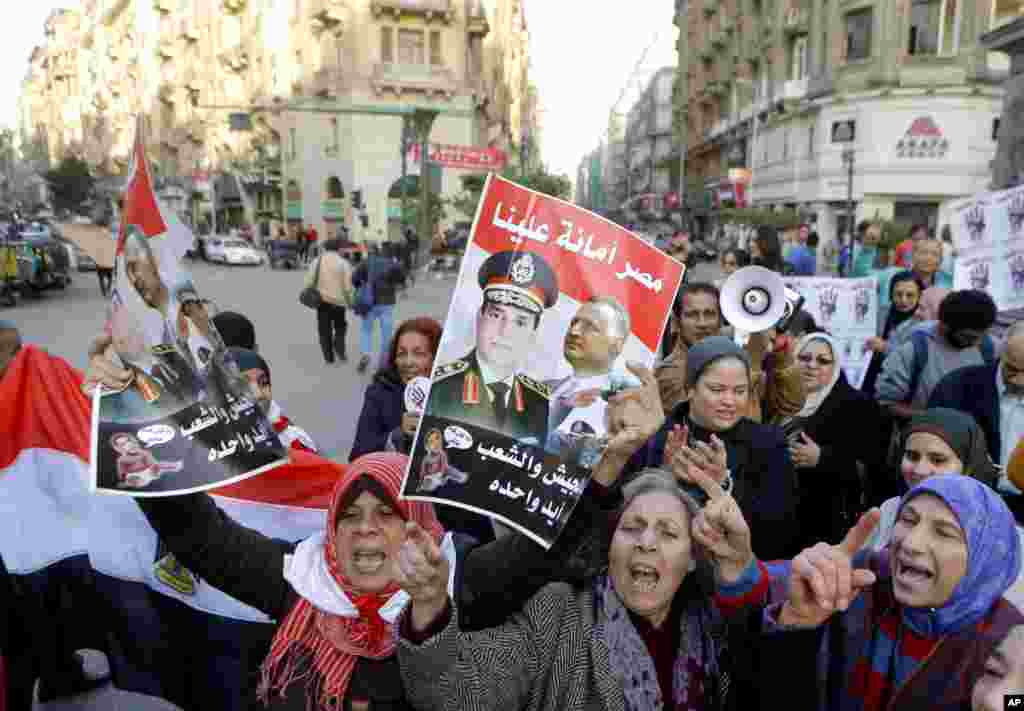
(779, 96)
(322, 82)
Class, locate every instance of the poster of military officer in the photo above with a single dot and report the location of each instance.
(183, 401)
(551, 304)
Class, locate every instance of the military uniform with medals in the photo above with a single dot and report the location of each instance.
(460, 391)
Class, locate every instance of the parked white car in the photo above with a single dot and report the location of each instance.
(234, 251)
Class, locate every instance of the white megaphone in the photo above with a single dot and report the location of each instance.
(755, 299)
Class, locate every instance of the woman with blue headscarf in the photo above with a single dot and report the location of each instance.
(906, 628)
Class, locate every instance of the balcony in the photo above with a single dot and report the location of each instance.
(62, 66)
(235, 59)
(234, 7)
(196, 130)
(718, 88)
(476, 19)
(440, 10)
(327, 82)
(189, 29)
(168, 92)
(413, 78)
(166, 48)
(793, 90)
(728, 25)
(329, 14)
(718, 39)
(706, 54)
(710, 7)
(797, 22)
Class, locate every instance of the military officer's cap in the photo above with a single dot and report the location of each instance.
(521, 279)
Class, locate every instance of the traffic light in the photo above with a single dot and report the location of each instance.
(357, 199)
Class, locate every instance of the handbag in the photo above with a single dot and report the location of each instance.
(310, 296)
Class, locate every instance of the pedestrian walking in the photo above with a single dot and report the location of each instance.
(381, 275)
(331, 275)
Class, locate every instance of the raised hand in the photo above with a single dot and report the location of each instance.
(686, 459)
(876, 344)
(422, 571)
(103, 369)
(722, 530)
(634, 414)
(828, 302)
(823, 581)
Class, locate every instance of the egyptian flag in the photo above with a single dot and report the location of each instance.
(52, 527)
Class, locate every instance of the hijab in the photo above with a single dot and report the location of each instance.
(896, 317)
(963, 435)
(993, 554)
(814, 400)
(333, 625)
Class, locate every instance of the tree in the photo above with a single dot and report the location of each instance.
(70, 183)
(541, 180)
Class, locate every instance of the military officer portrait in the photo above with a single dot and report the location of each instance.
(487, 387)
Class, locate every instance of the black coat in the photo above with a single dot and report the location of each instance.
(383, 405)
(387, 274)
(973, 390)
(849, 428)
(765, 483)
(492, 581)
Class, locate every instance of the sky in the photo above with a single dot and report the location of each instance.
(582, 54)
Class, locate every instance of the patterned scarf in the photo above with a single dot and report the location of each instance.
(695, 664)
(321, 647)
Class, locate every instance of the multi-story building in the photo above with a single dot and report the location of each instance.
(641, 155)
(323, 83)
(774, 93)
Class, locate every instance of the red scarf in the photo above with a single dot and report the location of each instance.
(333, 643)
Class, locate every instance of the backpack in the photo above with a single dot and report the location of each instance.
(920, 340)
(365, 297)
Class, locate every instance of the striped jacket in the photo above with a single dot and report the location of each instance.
(550, 657)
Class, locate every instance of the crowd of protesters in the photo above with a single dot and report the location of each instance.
(757, 533)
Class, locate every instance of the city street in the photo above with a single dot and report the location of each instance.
(322, 399)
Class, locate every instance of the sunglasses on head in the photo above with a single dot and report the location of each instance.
(808, 359)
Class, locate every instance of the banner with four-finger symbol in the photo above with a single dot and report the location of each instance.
(848, 310)
(988, 234)
(552, 301)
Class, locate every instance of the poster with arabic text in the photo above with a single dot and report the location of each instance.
(551, 303)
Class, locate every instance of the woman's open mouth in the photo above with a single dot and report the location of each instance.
(368, 562)
(644, 578)
(913, 576)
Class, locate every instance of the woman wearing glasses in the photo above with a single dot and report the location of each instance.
(837, 428)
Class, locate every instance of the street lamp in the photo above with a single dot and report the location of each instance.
(849, 158)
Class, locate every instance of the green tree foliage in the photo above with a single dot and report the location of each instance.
(542, 181)
(71, 183)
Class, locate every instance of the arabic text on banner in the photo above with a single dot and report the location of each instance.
(987, 232)
(847, 309)
(186, 421)
(517, 396)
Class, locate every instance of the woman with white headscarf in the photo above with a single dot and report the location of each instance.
(837, 428)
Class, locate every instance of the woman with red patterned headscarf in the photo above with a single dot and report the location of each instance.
(335, 594)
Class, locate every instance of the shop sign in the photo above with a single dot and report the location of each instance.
(461, 157)
(924, 139)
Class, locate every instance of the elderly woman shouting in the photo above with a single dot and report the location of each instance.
(908, 628)
(639, 635)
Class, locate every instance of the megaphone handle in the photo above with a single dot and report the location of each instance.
(742, 338)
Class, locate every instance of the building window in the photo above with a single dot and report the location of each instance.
(858, 35)
(334, 189)
(435, 48)
(995, 129)
(387, 48)
(934, 27)
(844, 131)
(410, 47)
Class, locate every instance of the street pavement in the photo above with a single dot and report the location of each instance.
(324, 400)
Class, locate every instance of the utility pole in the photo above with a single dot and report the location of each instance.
(848, 160)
